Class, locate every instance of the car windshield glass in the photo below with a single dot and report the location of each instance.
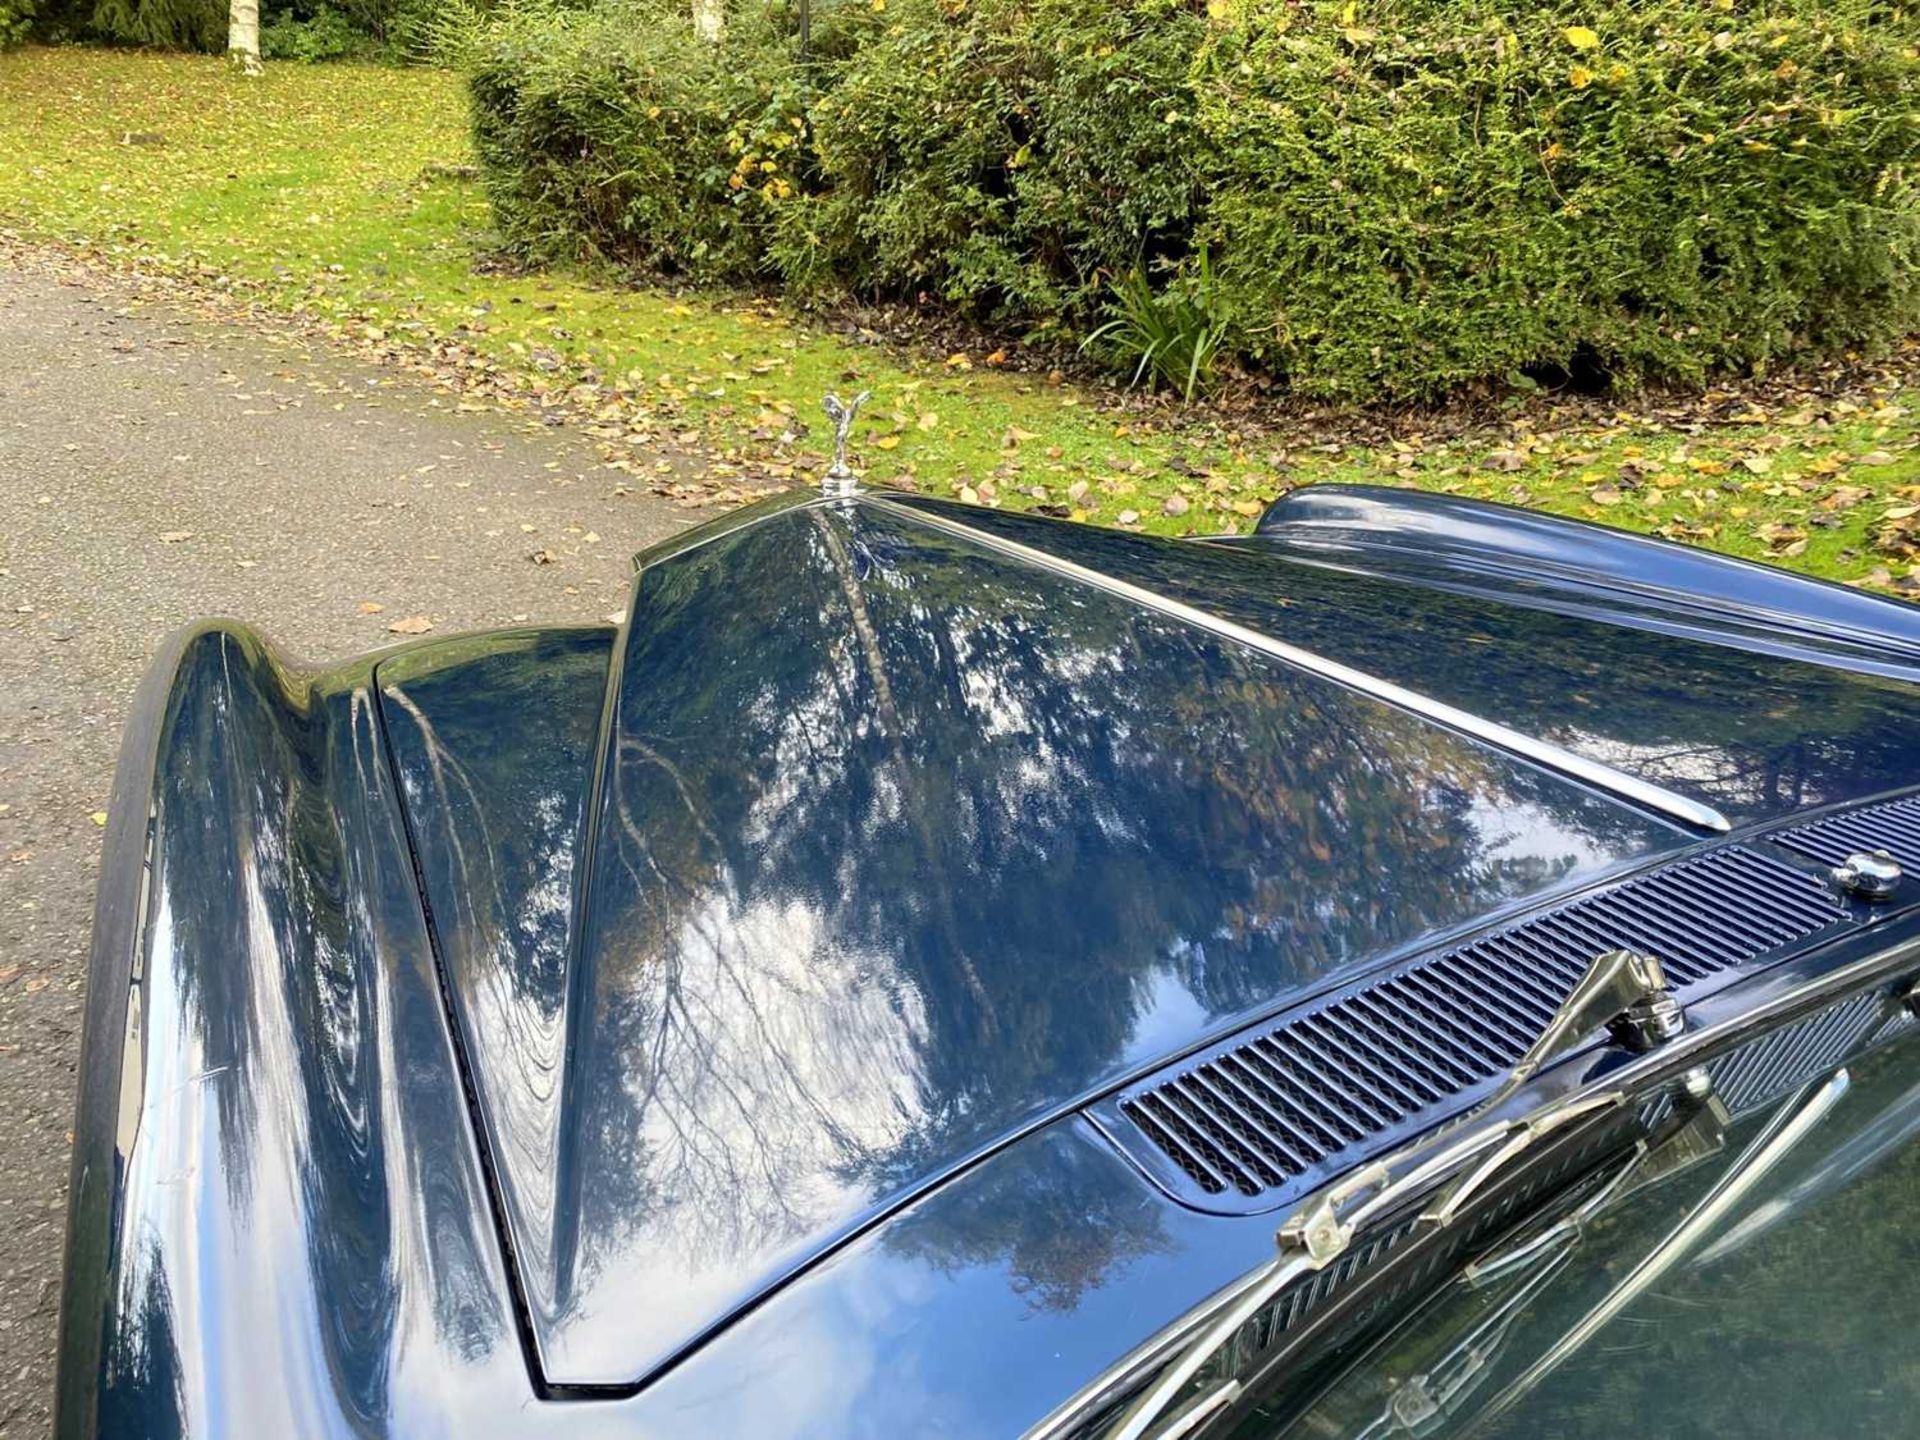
(1764, 1286)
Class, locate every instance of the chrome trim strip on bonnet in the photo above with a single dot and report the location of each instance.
(1541, 752)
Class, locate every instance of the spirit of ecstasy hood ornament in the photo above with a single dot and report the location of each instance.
(839, 480)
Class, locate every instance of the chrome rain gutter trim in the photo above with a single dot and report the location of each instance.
(1541, 752)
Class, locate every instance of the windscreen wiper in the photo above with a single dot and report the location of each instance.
(1446, 1383)
(1469, 1327)
(1790, 1125)
(1622, 990)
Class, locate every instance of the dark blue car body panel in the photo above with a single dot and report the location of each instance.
(682, 1028)
(1722, 705)
(955, 850)
(275, 1187)
(1545, 561)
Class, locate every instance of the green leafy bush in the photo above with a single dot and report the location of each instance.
(458, 33)
(16, 21)
(1006, 155)
(619, 132)
(289, 29)
(162, 24)
(1429, 192)
(326, 34)
(1398, 198)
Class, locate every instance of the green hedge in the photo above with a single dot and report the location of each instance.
(1003, 154)
(1459, 188)
(1397, 198)
(289, 29)
(160, 24)
(618, 131)
(16, 21)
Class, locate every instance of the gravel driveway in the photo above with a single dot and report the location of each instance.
(157, 467)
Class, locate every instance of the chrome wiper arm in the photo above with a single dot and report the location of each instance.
(1316, 1236)
(1699, 1135)
(1442, 1385)
(1622, 989)
(1520, 1136)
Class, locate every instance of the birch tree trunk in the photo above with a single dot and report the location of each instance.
(243, 34)
(709, 18)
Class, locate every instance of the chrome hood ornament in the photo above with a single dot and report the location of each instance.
(839, 479)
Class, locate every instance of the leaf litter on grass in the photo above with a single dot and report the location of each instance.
(342, 199)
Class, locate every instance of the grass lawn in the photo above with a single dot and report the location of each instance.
(337, 192)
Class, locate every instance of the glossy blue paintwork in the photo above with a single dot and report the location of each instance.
(279, 1224)
(494, 738)
(472, 1038)
(961, 845)
(1752, 726)
(1532, 558)
(962, 1315)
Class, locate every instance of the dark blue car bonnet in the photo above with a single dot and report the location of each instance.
(866, 846)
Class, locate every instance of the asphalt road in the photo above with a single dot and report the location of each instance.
(156, 467)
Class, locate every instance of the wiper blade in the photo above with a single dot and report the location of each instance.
(1317, 1236)
(1699, 1135)
(1462, 1335)
(1622, 990)
(1789, 1126)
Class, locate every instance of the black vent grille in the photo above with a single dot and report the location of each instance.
(1893, 827)
(1789, 1057)
(1291, 1101)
